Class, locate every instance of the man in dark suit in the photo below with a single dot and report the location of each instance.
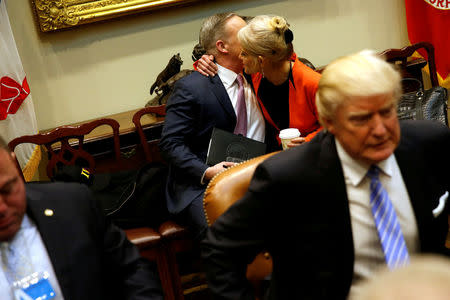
(197, 105)
(56, 229)
(326, 219)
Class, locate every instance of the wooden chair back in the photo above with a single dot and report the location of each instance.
(409, 66)
(151, 153)
(69, 153)
(412, 67)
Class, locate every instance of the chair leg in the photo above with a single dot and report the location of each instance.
(174, 272)
(150, 246)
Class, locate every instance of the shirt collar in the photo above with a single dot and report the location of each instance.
(355, 171)
(226, 76)
(26, 224)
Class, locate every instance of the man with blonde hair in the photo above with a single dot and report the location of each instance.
(367, 192)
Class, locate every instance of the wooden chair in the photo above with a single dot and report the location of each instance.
(176, 238)
(410, 66)
(150, 148)
(148, 241)
(67, 153)
(222, 191)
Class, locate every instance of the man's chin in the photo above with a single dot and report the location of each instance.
(8, 232)
(380, 155)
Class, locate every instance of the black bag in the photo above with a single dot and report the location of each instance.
(430, 104)
(131, 198)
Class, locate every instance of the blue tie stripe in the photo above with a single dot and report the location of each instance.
(386, 221)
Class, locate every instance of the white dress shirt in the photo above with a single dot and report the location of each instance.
(369, 255)
(29, 240)
(256, 128)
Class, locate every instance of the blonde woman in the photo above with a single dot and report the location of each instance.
(284, 86)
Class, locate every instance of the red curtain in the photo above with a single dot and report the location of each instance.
(429, 21)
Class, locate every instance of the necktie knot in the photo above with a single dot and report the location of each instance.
(240, 80)
(373, 173)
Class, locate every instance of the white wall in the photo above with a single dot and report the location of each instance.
(104, 68)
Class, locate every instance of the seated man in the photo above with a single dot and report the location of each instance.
(197, 105)
(54, 234)
(366, 193)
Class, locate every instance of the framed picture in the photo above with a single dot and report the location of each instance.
(58, 14)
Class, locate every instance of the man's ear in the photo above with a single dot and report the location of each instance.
(329, 125)
(221, 46)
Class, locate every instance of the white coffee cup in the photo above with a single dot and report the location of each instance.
(286, 135)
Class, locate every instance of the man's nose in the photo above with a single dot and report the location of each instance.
(378, 126)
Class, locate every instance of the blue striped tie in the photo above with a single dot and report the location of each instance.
(386, 221)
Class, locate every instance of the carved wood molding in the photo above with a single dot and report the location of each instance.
(59, 14)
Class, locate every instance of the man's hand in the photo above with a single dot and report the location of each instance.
(212, 171)
(296, 142)
(206, 65)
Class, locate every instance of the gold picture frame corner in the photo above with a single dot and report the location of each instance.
(53, 15)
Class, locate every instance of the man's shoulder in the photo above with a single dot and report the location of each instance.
(424, 130)
(64, 187)
(195, 78)
(303, 157)
(49, 191)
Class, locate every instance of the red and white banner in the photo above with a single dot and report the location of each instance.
(17, 116)
(429, 21)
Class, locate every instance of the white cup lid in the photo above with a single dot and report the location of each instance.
(289, 133)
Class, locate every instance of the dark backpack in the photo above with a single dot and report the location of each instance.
(131, 198)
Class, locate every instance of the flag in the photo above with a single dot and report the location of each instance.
(429, 21)
(17, 116)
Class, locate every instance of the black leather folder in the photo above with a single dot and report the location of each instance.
(227, 146)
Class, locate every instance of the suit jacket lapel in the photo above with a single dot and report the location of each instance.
(50, 230)
(405, 154)
(335, 194)
(222, 96)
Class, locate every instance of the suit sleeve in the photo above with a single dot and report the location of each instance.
(236, 237)
(178, 133)
(136, 277)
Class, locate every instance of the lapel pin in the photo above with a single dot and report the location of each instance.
(48, 212)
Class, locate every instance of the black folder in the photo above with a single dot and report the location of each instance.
(227, 146)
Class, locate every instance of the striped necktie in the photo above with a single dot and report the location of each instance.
(241, 109)
(386, 221)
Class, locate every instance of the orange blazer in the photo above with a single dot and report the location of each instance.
(302, 99)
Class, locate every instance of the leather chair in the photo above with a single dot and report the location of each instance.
(148, 241)
(222, 191)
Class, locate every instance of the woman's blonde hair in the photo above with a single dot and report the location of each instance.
(361, 74)
(267, 36)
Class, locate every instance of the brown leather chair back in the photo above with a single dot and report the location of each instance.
(225, 189)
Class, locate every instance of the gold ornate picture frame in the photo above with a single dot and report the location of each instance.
(58, 14)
